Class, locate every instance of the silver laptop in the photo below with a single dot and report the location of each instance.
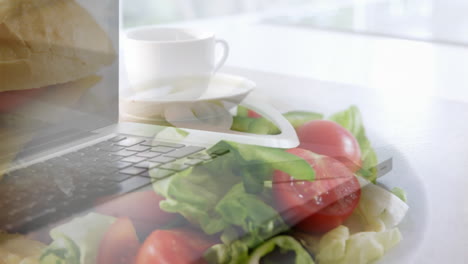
(62, 147)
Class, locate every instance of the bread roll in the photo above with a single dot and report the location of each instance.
(47, 42)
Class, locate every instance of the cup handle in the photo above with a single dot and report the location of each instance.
(223, 59)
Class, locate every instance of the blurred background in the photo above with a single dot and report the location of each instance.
(142, 12)
(438, 20)
(411, 47)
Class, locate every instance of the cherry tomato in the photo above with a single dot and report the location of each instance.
(12, 99)
(321, 205)
(181, 246)
(329, 138)
(142, 208)
(120, 244)
(253, 114)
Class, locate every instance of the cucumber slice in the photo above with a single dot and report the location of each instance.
(299, 118)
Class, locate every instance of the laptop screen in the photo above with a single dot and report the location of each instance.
(58, 71)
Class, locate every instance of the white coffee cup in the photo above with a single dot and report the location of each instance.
(155, 56)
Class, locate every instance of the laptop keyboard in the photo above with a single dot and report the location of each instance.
(48, 191)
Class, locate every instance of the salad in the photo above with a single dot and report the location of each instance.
(318, 203)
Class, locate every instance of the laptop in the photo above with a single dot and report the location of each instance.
(62, 146)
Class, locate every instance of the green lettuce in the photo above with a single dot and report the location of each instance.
(400, 193)
(79, 237)
(258, 220)
(299, 118)
(339, 247)
(236, 252)
(351, 120)
(263, 126)
(284, 244)
(194, 193)
(256, 164)
(214, 197)
(62, 251)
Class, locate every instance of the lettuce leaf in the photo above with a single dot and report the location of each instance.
(299, 118)
(400, 193)
(263, 126)
(62, 251)
(351, 120)
(379, 208)
(277, 159)
(82, 233)
(236, 252)
(339, 247)
(213, 197)
(284, 244)
(258, 220)
(194, 193)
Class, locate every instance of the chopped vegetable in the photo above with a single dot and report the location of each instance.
(352, 121)
(62, 251)
(299, 118)
(285, 244)
(339, 247)
(85, 232)
(400, 193)
(378, 204)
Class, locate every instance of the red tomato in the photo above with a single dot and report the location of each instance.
(120, 244)
(253, 114)
(181, 246)
(12, 99)
(142, 208)
(321, 205)
(329, 138)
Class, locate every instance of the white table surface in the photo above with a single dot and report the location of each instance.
(427, 135)
(410, 68)
(414, 94)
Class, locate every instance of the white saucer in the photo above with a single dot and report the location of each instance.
(195, 89)
(206, 109)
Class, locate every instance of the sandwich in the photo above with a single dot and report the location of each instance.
(50, 52)
(47, 42)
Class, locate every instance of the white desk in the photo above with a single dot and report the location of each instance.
(413, 94)
(410, 68)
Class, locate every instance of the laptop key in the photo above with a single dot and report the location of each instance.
(161, 149)
(160, 173)
(133, 159)
(124, 153)
(138, 148)
(201, 156)
(132, 171)
(147, 165)
(169, 144)
(174, 166)
(144, 174)
(147, 143)
(162, 159)
(193, 162)
(129, 142)
(119, 177)
(117, 139)
(134, 183)
(121, 165)
(184, 152)
(148, 154)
